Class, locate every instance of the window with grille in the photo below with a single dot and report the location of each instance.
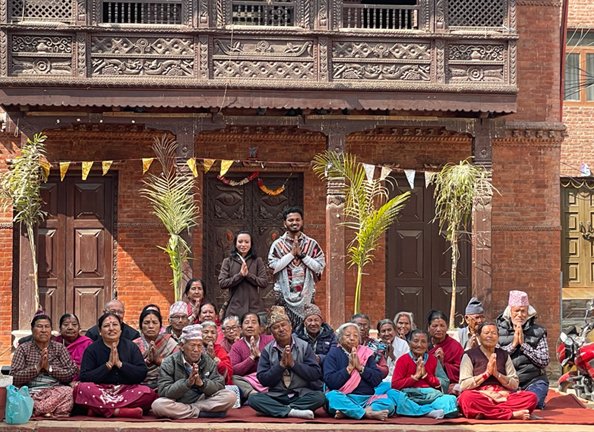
(381, 15)
(476, 13)
(279, 13)
(579, 66)
(142, 12)
(41, 10)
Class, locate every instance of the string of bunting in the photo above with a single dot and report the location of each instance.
(226, 164)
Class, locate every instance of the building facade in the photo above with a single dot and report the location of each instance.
(577, 160)
(405, 84)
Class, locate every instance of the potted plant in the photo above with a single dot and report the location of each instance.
(171, 196)
(457, 188)
(369, 210)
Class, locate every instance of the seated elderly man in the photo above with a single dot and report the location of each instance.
(116, 307)
(178, 319)
(526, 343)
(288, 367)
(189, 384)
(318, 334)
(474, 316)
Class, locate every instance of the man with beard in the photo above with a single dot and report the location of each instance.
(297, 262)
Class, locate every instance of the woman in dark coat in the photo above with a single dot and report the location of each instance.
(243, 274)
(111, 371)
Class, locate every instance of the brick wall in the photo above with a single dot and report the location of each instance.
(526, 228)
(580, 14)
(538, 63)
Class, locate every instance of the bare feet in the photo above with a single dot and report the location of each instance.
(521, 414)
(339, 415)
(376, 415)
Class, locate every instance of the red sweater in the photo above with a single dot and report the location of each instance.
(225, 364)
(406, 367)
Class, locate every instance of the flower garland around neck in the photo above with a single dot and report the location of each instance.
(241, 182)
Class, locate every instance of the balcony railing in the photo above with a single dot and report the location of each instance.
(41, 10)
(263, 13)
(141, 12)
(380, 17)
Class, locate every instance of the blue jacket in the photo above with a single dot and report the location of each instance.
(321, 345)
(336, 375)
(305, 375)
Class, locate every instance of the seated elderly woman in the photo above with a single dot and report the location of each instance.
(70, 337)
(111, 372)
(415, 375)
(489, 381)
(447, 350)
(216, 352)
(231, 332)
(154, 346)
(46, 368)
(405, 324)
(351, 375)
(245, 355)
(395, 347)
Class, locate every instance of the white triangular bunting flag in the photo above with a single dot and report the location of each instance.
(410, 176)
(369, 169)
(385, 172)
(428, 177)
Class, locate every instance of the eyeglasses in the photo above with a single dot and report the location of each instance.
(231, 328)
(178, 317)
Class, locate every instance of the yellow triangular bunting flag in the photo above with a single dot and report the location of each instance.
(146, 164)
(45, 167)
(105, 166)
(192, 165)
(225, 165)
(63, 169)
(86, 168)
(208, 164)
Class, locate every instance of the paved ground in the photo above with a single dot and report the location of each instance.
(97, 426)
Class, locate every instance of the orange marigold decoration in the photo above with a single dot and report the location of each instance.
(272, 192)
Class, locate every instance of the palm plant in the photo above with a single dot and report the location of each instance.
(20, 187)
(457, 188)
(368, 209)
(171, 196)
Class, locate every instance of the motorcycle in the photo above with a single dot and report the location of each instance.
(575, 352)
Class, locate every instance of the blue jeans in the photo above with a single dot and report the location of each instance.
(540, 387)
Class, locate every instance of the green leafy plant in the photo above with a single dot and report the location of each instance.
(457, 188)
(369, 210)
(20, 187)
(171, 196)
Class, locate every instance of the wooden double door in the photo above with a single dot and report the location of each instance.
(228, 209)
(75, 246)
(418, 260)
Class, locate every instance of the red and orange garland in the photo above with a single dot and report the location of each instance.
(253, 176)
(272, 192)
(241, 182)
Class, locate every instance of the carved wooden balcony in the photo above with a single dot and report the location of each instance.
(416, 46)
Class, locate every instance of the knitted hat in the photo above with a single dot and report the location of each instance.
(191, 332)
(474, 307)
(277, 314)
(518, 298)
(178, 308)
(312, 309)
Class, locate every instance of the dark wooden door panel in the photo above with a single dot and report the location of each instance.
(76, 246)
(418, 260)
(229, 209)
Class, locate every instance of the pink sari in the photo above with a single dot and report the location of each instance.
(363, 353)
(76, 349)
